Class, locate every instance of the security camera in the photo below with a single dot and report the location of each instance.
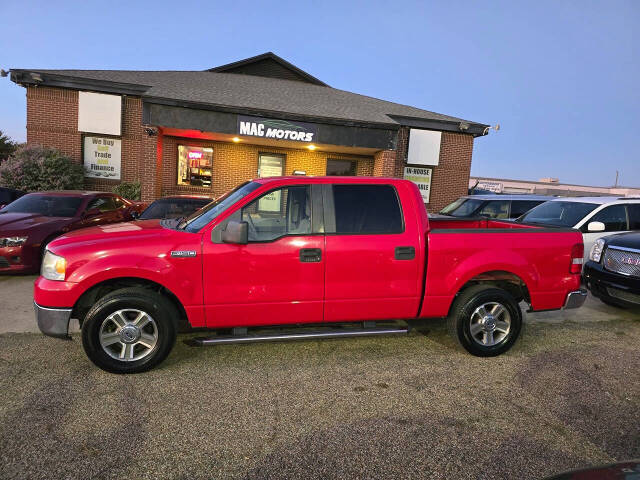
(3, 72)
(464, 126)
(152, 132)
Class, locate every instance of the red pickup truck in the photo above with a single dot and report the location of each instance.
(301, 250)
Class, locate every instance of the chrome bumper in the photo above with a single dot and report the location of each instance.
(575, 299)
(53, 321)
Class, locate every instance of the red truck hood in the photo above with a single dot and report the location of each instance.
(23, 223)
(114, 231)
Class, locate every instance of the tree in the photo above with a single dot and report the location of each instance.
(33, 168)
(7, 146)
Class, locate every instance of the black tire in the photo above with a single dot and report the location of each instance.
(459, 322)
(162, 313)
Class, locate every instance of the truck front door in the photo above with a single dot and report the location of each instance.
(372, 254)
(278, 276)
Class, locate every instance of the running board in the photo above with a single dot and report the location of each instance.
(201, 342)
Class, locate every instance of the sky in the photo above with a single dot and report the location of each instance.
(562, 78)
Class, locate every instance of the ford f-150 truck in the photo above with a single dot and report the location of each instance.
(296, 251)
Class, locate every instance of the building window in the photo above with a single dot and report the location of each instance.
(270, 165)
(341, 168)
(194, 166)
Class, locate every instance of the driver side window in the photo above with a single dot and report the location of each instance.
(280, 212)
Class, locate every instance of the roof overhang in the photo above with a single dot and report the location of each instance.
(462, 126)
(35, 78)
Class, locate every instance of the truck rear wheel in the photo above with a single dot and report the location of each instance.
(129, 330)
(485, 320)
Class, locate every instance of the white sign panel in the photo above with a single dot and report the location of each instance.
(422, 178)
(102, 157)
(424, 147)
(495, 187)
(99, 113)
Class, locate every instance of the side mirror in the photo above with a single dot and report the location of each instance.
(92, 212)
(595, 227)
(236, 232)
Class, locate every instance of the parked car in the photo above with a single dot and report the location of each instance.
(493, 206)
(174, 207)
(595, 217)
(28, 224)
(8, 195)
(613, 270)
(302, 250)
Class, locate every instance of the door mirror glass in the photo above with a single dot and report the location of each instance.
(236, 232)
(595, 227)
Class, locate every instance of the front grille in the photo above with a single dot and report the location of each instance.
(622, 295)
(622, 261)
(4, 262)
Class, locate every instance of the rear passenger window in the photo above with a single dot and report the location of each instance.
(613, 217)
(367, 209)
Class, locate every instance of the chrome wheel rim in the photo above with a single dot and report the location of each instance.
(490, 324)
(128, 335)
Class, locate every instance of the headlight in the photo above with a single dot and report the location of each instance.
(12, 241)
(596, 251)
(54, 267)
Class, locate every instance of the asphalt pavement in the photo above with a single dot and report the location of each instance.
(566, 396)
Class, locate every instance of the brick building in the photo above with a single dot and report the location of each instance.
(206, 131)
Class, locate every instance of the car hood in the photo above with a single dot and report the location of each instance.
(23, 223)
(119, 233)
(625, 240)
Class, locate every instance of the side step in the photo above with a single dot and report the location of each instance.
(274, 337)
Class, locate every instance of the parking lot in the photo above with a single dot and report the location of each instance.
(566, 396)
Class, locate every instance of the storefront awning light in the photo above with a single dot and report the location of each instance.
(235, 139)
(311, 147)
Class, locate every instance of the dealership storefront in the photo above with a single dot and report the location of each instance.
(206, 131)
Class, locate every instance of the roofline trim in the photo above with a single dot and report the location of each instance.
(475, 129)
(267, 113)
(274, 57)
(24, 77)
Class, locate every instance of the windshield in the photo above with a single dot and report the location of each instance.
(203, 216)
(561, 214)
(46, 205)
(463, 207)
(173, 208)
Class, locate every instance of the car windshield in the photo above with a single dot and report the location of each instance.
(202, 217)
(46, 205)
(463, 207)
(561, 214)
(173, 208)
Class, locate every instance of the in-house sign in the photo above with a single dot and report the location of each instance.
(277, 129)
(422, 178)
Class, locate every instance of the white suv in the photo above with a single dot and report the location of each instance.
(595, 217)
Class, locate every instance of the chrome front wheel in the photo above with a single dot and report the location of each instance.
(128, 335)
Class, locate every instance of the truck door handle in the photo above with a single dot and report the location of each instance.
(308, 255)
(405, 253)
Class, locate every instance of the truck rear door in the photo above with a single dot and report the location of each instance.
(373, 254)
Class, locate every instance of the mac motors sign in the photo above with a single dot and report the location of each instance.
(276, 129)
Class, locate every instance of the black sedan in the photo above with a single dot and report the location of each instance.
(613, 271)
(174, 207)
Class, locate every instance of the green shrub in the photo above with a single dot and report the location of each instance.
(130, 191)
(35, 168)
